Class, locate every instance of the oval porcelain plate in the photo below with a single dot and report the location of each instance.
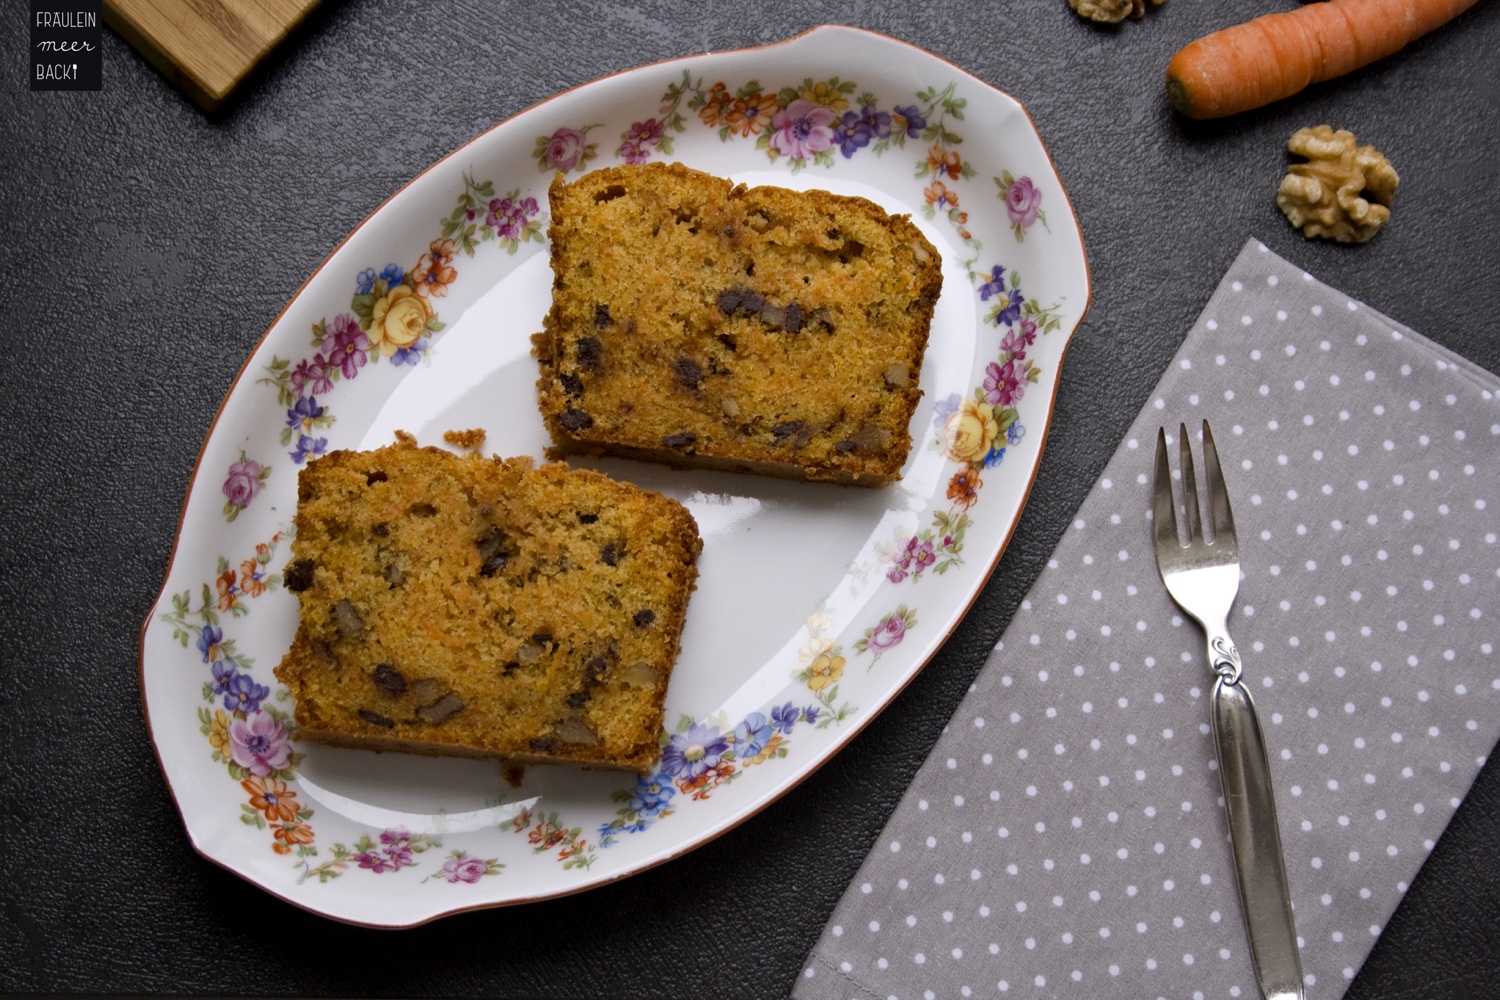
(815, 605)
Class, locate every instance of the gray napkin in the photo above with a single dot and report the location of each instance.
(1066, 837)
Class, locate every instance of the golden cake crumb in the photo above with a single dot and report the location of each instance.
(696, 322)
(469, 440)
(458, 604)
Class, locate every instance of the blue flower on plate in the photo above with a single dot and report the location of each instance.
(308, 447)
(652, 795)
(242, 693)
(393, 275)
(995, 286)
(751, 736)
(994, 457)
(1012, 310)
(784, 717)
(208, 641)
(1015, 434)
(411, 355)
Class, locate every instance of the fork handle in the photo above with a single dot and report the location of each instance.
(1245, 773)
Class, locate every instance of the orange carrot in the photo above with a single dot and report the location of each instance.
(1275, 56)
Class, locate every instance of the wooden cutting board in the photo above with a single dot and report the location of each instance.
(205, 47)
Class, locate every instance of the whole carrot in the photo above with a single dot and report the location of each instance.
(1275, 56)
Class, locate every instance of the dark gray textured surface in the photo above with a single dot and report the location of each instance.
(148, 247)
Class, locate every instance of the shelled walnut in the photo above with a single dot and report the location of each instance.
(1343, 192)
(1110, 11)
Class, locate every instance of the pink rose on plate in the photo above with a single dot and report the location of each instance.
(465, 868)
(889, 633)
(1022, 202)
(259, 743)
(243, 482)
(564, 149)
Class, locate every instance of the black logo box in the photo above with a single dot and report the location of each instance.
(66, 40)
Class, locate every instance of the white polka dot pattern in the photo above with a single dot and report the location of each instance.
(1066, 838)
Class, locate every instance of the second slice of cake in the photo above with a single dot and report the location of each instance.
(765, 330)
(466, 605)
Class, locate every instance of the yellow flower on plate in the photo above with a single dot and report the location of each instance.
(827, 95)
(218, 732)
(971, 431)
(398, 320)
(825, 670)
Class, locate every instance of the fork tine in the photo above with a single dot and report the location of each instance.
(1189, 487)
(1218, 494)
(1163, 510)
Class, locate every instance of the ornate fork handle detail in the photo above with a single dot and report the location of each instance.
(1224, 658)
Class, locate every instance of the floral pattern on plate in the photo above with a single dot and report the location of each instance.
(924, 148)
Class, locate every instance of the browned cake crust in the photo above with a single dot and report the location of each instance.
(696, 322)
(472, 606)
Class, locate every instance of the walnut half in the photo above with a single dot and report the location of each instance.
(1343, 192)
(1110, 11)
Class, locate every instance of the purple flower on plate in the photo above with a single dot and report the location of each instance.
(995, 286)
(310, 377)
(803, 129)
(945, 408)
(397, 836)
(878, 122)
(631, 152)
(1015, 434)
(304, 413)
(751, 736)
(687, 755)
(1022, 202)
(908, 119)
(508, 216)
(784, 717)
(376, 861)
(259, 743)
(364, 282)
(1012, 310)
(465, 868)
(411, 355)
(1015, 342)
(1005, 384)
(811, 714)
(350, 345)
(243, 482)
(241, 693)
(913, 557)
(646, 133)
(225, 671)
(308, 447)
(851, 134)
(208, 642)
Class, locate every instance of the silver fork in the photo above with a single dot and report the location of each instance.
(1203, 577)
